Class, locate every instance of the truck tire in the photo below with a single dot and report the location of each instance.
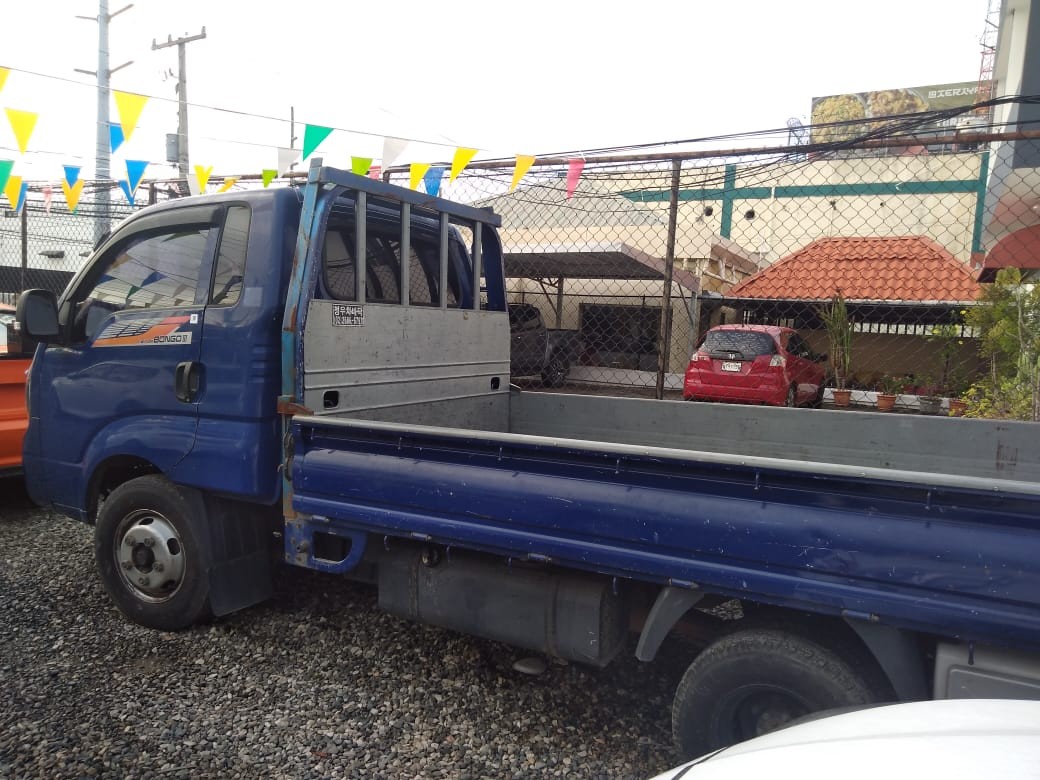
(150, 551)
(555, 374)
(755, 681)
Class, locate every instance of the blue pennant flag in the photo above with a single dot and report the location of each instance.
(71, 174)
(135, 172)
(125, 187)
(432, 180)
(115, 136)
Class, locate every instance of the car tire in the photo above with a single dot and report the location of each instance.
(555, 374)
(791, 401)
(755, 681)
(150, 552)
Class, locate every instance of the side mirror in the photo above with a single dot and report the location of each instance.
(37, 314)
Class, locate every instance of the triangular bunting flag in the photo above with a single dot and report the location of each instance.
(115, 137)
(432, 181)
(462, 158)
(201, 179)
(5, 172)
(4, 72)
(13, 190)
(574, 169)
(375, 172)
(286, 158)
(313, 135)
(125, 187)
(129, 107)
(268, 175)
(135, 172)
(418, 170)
(360, 165)
(48, 195)
(523, 165)
(72, 194)
(72, 174)
(392, 149)
(22, 192)
(22, 122)
(229, 182)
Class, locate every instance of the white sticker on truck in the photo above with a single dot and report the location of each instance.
(348, 315)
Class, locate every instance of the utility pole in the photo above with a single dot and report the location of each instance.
(102, 170)
(182, 94)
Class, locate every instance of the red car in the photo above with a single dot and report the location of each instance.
(755, 364)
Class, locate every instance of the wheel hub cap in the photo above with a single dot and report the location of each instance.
(149, 556)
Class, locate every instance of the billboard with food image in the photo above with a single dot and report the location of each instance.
(856, 106)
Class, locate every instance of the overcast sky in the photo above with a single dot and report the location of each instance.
(505, 77)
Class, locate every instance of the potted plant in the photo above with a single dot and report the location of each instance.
(888, 391)
(838, 326)
(929, 397)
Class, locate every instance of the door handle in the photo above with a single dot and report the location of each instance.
(186, 381)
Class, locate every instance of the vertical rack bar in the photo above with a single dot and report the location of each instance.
(406, 251)
(361, 243)
(444, 261)
(478, 252)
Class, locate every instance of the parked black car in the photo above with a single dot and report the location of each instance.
(539, 351)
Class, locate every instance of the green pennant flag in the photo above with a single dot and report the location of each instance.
(5, 171)
(269, 175)
(360, 165)
(313, 135)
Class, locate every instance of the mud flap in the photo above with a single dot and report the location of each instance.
(241, 549)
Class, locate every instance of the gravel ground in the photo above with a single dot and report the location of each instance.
(314, 683)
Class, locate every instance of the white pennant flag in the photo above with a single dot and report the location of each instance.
(286, 157)
(392, 149)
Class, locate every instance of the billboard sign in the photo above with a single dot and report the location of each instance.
(855, 106)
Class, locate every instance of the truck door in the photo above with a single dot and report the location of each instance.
(128, 376)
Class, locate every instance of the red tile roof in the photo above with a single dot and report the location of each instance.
(893, 268)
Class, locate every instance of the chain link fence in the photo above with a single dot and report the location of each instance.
(883, 265)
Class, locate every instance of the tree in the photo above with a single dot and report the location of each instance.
(1007, 321)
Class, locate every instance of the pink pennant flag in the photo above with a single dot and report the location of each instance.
(574, 169)
(48, 195)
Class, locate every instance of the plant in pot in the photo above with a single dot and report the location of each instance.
(888, 391)
(929, 396)
(836, 323)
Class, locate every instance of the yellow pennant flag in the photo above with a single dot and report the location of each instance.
(417, 171)
(4, 72)
(129, 107)
(22, 122)
(72, 193)
(202, 177)
(523, 165)
(463, 157)
(13, 190)
(229, 182)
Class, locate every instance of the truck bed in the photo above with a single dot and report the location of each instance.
(767, 505)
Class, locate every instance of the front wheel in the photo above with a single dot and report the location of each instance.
(791, 401)
(555, 374)
(150, 555)
(756, 681)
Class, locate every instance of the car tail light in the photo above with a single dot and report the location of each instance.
(699, 356)
(777, 361)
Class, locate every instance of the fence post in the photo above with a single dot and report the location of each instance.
(669, 265)
(25, 243)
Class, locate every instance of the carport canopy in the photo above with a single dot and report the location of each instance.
(597, 260)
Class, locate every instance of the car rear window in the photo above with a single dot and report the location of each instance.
(749, 344)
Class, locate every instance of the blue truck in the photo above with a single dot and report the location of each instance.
(319, 375)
